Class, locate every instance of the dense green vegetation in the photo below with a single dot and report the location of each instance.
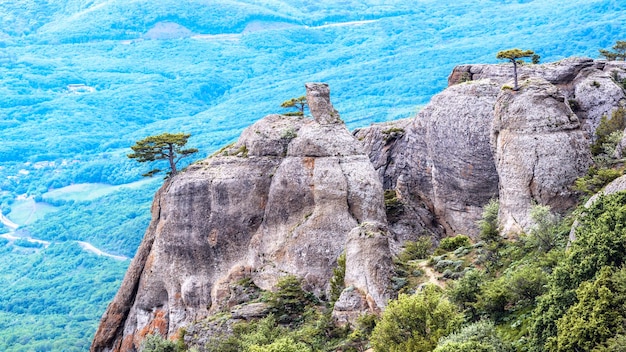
(81, 81)
(51, 297)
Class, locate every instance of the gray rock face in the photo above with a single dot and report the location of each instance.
(441, 165)
(282, 200)
(560, 72)
(318, 99)
(393, 158)
(368, 263)
(464, 178)
(590, 87)
(540, 149)
(596, 94)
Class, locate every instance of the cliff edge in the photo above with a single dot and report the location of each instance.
(293, 194)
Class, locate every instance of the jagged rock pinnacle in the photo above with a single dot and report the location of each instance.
(318, 98)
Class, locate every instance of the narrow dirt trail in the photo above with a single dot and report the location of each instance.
(430, 274)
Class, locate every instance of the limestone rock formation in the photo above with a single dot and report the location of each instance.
(288, 197)
(592, 88)
(441, 166)
(293, 194)
(368, 263)
(540, 149)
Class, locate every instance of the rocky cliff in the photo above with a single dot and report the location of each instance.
(479, 139)
(293, 194)
(289, 197)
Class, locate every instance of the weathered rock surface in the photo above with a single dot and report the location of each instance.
(396, 151)
(540, 149)
(592, 88)
(282, 200)
(441, 166)
(368, 263)
(560, 72)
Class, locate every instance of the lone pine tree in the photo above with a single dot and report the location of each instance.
(166, 146)
(514, 55)
(299, 103)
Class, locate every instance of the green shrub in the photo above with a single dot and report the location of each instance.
(290, 300)
(413, 250)
(283, 344)
(489, 225)
(451, 243)
(546, 232)
(600, 241)
(465, 292)
(490, 234)
(156, 343)
(615, 344)
(393, 205)
(476, 337)
(595, 180)
(494, 299)
(598, 315)
(337, 280)
(415, 322)
(607, 126)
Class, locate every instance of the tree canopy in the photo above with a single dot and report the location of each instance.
(618, 53)
(166, 146)
(515, 56)
(299, 103)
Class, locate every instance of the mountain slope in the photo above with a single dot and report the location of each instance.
(237, 61)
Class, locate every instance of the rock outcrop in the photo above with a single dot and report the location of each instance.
(287, 198)
(441, 165)
(540, 150)
(293, 194)
(593, 88)
(444, 165)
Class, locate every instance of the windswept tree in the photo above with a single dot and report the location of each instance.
(515, 56)
(166, 146)
(618, 53)
(299, 103)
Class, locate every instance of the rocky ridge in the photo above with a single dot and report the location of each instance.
(288, 197)
(291, 195)
(479, 140)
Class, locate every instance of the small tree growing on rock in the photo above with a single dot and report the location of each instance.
(618, 53)
(299, 103)
(515, 56)
(166, 146)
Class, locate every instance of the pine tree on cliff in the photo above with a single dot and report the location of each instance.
(618, 53)
(166, 146)
(298, 103)
(515, 56)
